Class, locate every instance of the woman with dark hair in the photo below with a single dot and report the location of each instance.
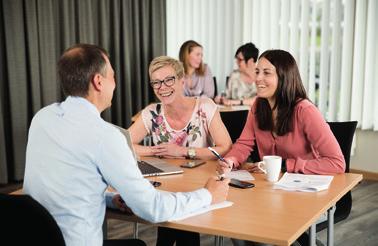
(241, 86)
(198, 80)
(284, 122)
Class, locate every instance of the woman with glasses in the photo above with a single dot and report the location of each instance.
(198, 80)
(241, 87)
(180, 126)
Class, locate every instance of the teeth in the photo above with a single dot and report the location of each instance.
(167, 94)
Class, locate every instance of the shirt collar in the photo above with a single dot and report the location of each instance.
(82, 101)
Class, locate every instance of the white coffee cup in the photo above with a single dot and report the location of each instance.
(271, 166)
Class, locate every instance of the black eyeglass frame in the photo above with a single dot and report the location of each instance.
(168, 81)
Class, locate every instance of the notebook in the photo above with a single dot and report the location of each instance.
(151, 166)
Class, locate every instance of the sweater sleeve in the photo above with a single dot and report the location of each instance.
(329, 158)
(208, 87)
(242, 148)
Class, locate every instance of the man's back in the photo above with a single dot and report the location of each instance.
(73, 155)
(62, 153)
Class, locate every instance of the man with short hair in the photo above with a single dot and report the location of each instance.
(73, 155)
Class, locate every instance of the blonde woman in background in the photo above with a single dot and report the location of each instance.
(198, 80)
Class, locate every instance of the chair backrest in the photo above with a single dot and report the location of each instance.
(23, 219)
(234, 122)
(343, 132)
(215, 86)
(227, 77)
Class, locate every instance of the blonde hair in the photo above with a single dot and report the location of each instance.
(162, 61)
(184, 52)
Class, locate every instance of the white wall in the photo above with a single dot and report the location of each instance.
(365, 156)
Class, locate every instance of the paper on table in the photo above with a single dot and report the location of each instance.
(203, 210)
(303, 182)
(243, 175)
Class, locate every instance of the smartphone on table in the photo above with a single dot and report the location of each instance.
(241, 184)
(193, 163)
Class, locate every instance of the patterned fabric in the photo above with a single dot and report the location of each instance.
(194, 134)
(238, 89)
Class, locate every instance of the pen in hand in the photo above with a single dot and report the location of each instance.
(220, 176)
(216, 154)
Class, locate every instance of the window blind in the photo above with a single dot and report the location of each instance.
(333, 41)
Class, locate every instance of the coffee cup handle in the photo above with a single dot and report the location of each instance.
(259, 164)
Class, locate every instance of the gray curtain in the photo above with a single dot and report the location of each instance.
(33, 35)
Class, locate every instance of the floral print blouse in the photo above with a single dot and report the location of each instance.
(237, 89)
(194, 134)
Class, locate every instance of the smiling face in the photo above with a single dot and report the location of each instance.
(266, 80)
(167, 94)
(195, 57)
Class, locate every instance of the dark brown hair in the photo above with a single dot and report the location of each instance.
(249, 50)
(289, 92)
(185, 50)
(77, 67)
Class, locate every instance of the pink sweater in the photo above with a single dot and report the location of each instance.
(310, 148)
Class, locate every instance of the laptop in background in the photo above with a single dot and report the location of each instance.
(151, 166)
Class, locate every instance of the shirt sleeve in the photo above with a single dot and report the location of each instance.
(242, 148)
(208, 87)
(120, 170)
(329, 157)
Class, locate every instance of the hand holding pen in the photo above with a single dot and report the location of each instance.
(224, 165)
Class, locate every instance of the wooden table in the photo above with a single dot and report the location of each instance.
(259, 214)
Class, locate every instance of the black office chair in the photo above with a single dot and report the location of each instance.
(23, 219)
(215, 86)
(234, 122)
(343, 132)
(227, 78)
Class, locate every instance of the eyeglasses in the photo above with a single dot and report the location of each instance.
(238, 59)
(168, 81)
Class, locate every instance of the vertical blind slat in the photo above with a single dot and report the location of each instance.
(304, 42)
(284, 28)
(274, 30)
(294, 32)
(370, 65)
(324, 58)
(358, 61)
(333, 96)
(346, 62)
(313, 47)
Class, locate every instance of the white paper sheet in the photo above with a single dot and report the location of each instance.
(303, 182)
(204, 210)
(243, 175)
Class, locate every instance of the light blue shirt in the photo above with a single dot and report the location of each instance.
(73, 155)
